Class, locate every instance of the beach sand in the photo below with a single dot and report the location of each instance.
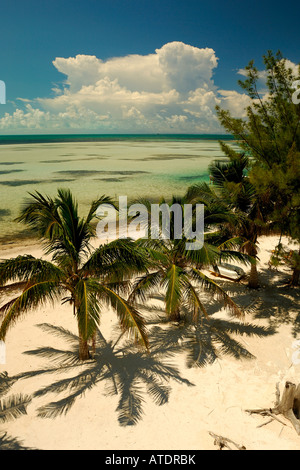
(216, 402)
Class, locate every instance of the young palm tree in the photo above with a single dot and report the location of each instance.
(76, 274)
(179, 271)
(181, 280)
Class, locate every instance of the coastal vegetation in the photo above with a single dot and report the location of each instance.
(180, 272)
(253, 191)
(87, 278)
(270, 138)
(76, 274)
(233, 190)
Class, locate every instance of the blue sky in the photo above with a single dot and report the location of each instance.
(35, 33)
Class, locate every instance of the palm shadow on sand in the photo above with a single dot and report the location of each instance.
(132, 373)
(204, 341)
(11, 443)
(127, 370)
(275, 301)
(11, 407)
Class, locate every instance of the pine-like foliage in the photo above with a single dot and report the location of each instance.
(270, 137)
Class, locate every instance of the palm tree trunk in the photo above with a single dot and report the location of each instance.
(295, 277)
(175, 315)
(84, 353)
(253, 278)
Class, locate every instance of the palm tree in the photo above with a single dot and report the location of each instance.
(179, 271)
(77, 274)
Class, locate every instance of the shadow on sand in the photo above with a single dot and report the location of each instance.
(275, 301)
(11, 407)
(11, 443)
(132, 373)
(128, 372)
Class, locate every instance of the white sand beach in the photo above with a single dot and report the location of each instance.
(217, 401)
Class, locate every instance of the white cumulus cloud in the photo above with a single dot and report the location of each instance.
(170, 90)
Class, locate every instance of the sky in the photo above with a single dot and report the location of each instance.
(134, 66)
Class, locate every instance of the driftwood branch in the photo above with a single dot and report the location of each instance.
(222, 442)
(288, 406)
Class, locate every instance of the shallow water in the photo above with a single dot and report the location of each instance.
(129, 168)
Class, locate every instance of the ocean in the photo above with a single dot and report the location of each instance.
(152, 166)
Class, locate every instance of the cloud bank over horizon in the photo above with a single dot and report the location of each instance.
(169, 91)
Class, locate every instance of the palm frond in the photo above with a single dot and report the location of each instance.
(11, 443)
(41, 215)
(55, 409)
(64, 358)
(208, 255)
(26, 267)
(130, 319)
(159, 392)
(193, 301)
(87, 307)
(15, 286)
(157, 250)
(143, 286)
(173, 284)
(13, 407)
(118, 259)
(230, 346)
(216, 290)
(231, 243)
(233, 170)
(72, 237)
(34, 294)
(200, 192)
(240, 257)
(94, 206)
(67, 335)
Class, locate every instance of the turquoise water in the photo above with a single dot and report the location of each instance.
(35, 138)
(115, 165)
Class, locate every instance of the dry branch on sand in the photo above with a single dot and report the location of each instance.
(288, 406)
(223, 442)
